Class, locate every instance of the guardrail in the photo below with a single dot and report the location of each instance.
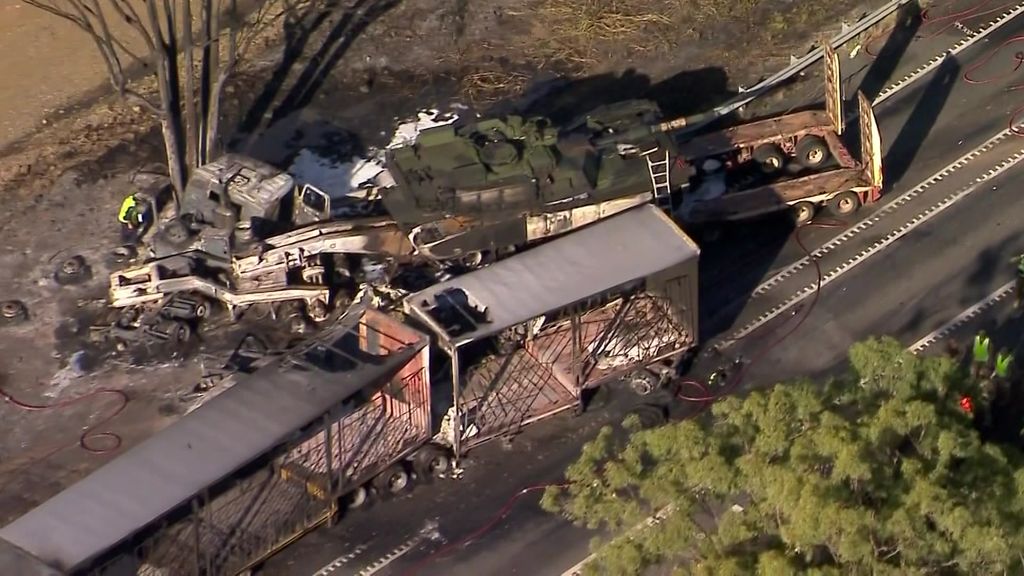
(798, 65)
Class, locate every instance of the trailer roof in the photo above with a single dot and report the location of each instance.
(602, 256)
(167, 470)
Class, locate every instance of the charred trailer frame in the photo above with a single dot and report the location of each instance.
(528, 335)
(253, 469)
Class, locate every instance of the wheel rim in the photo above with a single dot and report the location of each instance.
(438, 464)
(9, 309)
(201, 311)
(846, 205)
(803, 213)
(397, 481)
(816, 155)
(71, 266)
(773, 162)
(358, 497)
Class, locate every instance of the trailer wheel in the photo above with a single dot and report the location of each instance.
(393, 481)
(770, 158)
(803, 212)
(358, 498)
(845, 203)
(812, 152)
(181, 332)
(431, 461)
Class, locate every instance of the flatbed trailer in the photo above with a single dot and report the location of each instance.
(796, 162)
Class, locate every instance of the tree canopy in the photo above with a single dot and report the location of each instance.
(876, 472)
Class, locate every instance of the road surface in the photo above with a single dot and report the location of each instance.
(907, 271)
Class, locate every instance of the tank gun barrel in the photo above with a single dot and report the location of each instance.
(667, 126)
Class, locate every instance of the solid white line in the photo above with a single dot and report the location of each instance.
(957, 48)
(577, 569)
(876, 247)
(962, 318)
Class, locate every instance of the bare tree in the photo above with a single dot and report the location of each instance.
(161, 39)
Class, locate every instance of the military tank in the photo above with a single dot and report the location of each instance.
(468, 191)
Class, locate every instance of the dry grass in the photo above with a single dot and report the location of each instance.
(489, 86)
(575, 31)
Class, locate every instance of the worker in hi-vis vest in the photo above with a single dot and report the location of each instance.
(1001, 372)
(981, 356)
(132, 217)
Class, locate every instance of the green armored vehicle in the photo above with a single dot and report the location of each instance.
(470, 191)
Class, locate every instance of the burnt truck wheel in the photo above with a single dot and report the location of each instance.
(121, 255)
(176, 233)
(812, 152)
(803, 212)
(393, 481)
(642, 382)
(431, 461)
(72, 271)
(770, 158)
(845, 203)
(13, 312)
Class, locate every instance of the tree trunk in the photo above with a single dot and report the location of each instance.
(189, 96)
(218, 80)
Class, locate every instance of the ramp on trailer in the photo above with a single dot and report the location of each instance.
(169, 470)
(615, 296)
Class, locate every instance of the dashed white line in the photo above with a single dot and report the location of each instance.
(957, 48)
(962, 318)
(340, 561)
(877, 247)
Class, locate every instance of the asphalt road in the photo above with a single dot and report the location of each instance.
(951, 257)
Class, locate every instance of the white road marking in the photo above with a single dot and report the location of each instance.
(885, 210)
(340, 561)
(877, 247)
(962, 318)
(957, 48)
(429, 532)
(577, 569)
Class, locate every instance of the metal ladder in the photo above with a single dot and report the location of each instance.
(659, 172)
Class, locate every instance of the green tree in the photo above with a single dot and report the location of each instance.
(877, 472)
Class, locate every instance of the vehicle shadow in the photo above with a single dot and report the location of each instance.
(562, 99)
(888, 57)
(300, 29)
(932, 100)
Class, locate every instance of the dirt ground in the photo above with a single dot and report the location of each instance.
(326, 80)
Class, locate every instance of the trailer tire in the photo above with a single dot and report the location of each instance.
(845, 203)
(770, 158)
(431, 461)
(393, 481)
(812, 152)
(358, 499)
(803, 212)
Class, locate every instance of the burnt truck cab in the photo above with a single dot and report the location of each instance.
(471, 190)
(236, 196)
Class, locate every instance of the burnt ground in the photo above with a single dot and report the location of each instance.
(334, 82)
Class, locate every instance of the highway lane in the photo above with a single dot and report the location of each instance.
(530, 542)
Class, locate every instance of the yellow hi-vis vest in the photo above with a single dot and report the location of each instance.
(1003, 362)
(981, 348)
(127, 207)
